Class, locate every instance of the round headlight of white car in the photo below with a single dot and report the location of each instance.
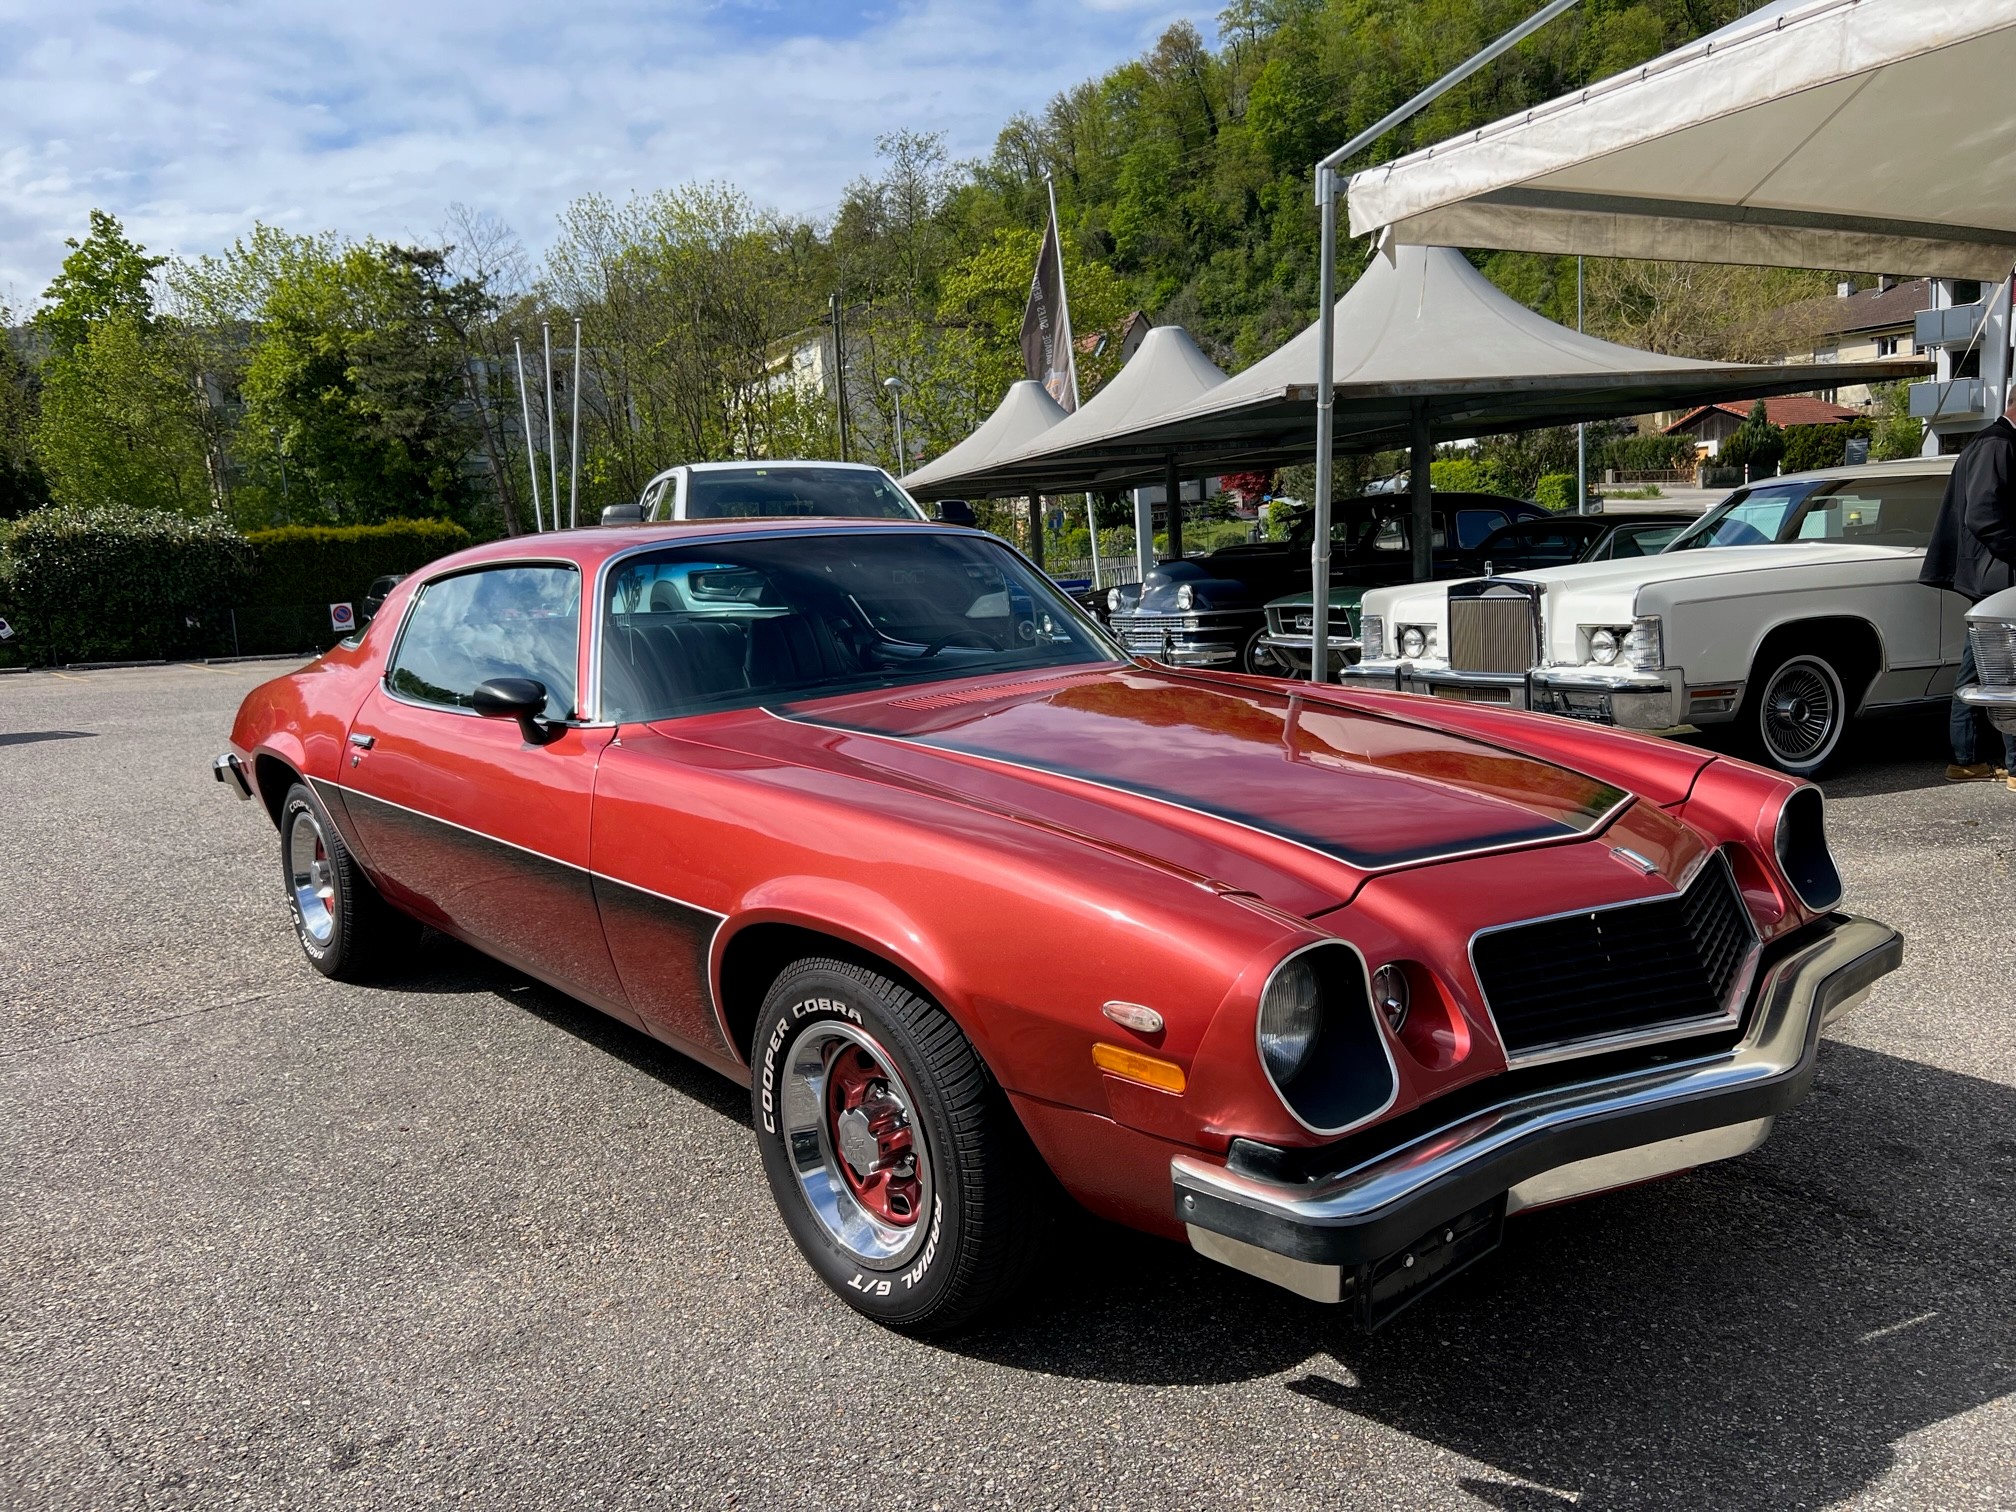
(1413, 640)
(1185, 598)
(1112, 600)
(1290, 1015)
(1390, 996)
(1603, 647)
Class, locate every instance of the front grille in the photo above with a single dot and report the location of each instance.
(1143, 632)
(1995, 654)
(1302, 621)
(1617, 971)
(1492, 634)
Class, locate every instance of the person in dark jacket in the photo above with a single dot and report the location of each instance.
(1973, 552)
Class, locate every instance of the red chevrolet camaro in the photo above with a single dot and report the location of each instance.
(870, 817)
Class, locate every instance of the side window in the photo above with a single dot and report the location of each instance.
(493, 622)
(1472, 525)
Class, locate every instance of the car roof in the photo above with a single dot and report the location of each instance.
(1901, 467)
(590, 546)
(750, 462)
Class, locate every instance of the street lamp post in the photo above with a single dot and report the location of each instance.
(895, 387)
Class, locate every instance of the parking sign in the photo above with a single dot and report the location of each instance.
(342, 617)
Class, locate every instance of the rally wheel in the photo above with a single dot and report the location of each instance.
(899, 1169)
(346, 929)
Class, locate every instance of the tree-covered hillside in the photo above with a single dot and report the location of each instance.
(306, 378)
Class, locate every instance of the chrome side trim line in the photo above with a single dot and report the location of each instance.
(1597, 826)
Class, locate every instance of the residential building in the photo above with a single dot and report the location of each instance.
(1712, 424)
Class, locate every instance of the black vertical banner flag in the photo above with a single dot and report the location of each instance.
(1046, 324)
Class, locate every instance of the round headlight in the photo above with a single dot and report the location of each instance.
(1289, 1019)
(1603, 647)
(1389, 993)
(1184, 597)
(1412, 641)
(1112, 600)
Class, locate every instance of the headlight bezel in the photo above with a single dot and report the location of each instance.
(1186, 598)
(1602, 644)
(1348, 1077)
(1422, 634)
(1805, 859)
(1113, 601)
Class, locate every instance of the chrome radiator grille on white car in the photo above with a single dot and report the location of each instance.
(1494, 631)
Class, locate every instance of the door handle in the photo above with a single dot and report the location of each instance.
(363, 742)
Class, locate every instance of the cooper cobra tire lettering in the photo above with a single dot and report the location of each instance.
(967, 1235)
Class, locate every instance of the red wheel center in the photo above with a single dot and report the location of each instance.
(870, 1131)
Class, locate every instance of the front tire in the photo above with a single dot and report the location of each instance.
(1262, 660)
(1794, 712)
(894, 1158)
(346, 929)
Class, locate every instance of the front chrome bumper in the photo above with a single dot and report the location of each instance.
(1294, 650)
(1193, 638)
(230, 770)
(1630, 700)
(1322, 1236)
(1998, 703)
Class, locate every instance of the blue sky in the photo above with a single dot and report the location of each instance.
(190, 119)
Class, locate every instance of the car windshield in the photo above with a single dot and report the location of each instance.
(1753, 517)
(726, 493)
(1878, 510)
(730, 624)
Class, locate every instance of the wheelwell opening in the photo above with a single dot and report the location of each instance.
(273, 777)
(1851, 645)
(758, 955)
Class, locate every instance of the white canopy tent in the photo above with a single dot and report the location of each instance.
(1025, 412)
(1867, 135)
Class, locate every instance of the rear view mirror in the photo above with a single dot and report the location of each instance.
(519, 698)
(955, 512)
(622, 514)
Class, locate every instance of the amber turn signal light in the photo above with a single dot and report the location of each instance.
(1149, 1070)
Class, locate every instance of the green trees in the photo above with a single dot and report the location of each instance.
(1757, 444)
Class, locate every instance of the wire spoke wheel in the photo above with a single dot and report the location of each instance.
(854, 1144)
(1801, 712)
(311, 878)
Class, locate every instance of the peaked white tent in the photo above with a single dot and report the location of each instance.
(1167, 372)
(1870, 135)
(1025, 412)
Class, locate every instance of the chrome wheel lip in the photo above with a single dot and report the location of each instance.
(1800, 712)
(311, 884)
(815, 1163)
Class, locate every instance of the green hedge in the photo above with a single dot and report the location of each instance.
(333, 564)
(1811, 446)
(1650, 453)
(1556, 492)
(121, 584)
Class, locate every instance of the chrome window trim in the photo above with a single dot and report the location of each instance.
(1101, 636)
(413, 601)
(1732, 1004)
(1379, 1029)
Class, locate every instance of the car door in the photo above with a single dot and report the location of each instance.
(468, 822)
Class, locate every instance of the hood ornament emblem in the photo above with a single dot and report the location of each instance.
(1631, 858)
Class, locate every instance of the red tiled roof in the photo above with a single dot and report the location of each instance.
(1786, 409)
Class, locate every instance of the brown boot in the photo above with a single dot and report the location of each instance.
(1980, 771)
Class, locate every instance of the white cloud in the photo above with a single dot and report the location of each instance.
(190, 119)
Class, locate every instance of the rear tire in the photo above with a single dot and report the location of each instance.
(895, 1161)
(1795, 710)
(346, 929)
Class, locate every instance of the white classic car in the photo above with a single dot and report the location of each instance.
(1992, 626)
(1786, 610)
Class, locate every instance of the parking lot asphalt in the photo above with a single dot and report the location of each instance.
(267, 1240)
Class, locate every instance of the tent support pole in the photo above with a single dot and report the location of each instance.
(1172, 490)
(1144, 533)
(1326, 399)
(1036, 528)
(1420, 457)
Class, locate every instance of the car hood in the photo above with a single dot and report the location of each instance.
(1294, 799)
(1340, 598)
(1711, 561)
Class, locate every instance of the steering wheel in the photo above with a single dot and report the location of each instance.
(969, 637)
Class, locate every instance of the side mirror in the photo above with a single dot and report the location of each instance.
(622, 514)
(955, 512)
(519, 698)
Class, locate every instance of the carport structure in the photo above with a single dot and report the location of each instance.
(1426, 349)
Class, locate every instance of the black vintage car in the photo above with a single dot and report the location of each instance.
(1211, 611)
